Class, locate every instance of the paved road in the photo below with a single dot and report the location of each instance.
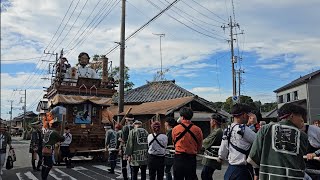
(84, 170)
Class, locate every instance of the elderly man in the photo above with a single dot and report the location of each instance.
(137, 150)
(123, 141)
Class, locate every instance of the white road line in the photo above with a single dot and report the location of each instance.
(104, 168)
(51, 173)
(30, 175)
(63, 174)
(19, 176)
(80, 168)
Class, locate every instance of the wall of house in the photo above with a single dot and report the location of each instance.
(314, 98)
(302, 94)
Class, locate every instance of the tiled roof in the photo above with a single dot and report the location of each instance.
(298, 81)
(29, 114)
(158, 91)
(164, 107)
(271, 114)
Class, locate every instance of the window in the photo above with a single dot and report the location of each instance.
(280, 99)
(288, 97)
(295, 95)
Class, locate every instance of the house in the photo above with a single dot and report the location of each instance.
(17, 122)
(161, 99)
(271, 116)
(303, 91)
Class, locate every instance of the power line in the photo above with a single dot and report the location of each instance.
(83, 24)
(224, 20)
(193, 17)
(90, 25)
(115, 3)
(145, 25)
(60, 24)
(192, 21)
(64, 27)
(22, 59)
(186, 24)
(73, 23)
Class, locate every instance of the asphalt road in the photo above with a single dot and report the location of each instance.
(83, 170)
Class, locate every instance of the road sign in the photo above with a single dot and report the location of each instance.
(235, 99)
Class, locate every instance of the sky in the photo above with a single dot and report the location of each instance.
(280, 42)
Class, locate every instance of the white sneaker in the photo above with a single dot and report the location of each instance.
(1, 172)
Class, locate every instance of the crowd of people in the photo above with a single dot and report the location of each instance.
(288, 149)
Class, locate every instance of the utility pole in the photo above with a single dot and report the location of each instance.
(232, 25)
(11, 101)
(56, 62)
(122, 64)
(239, 72)
(161, 72)
(24, 107)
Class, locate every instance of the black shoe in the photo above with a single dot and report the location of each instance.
(110, 171)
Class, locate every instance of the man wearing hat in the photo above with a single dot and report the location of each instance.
(214, 139)
(124, 136)
(168, 161)
(137, 150)
(236, 143)
(5, 139)
(36, 145)
(50, 138)
(111, 144)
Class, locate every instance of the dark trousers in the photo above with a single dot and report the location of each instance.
(113, 159)
(46, 167)
(156, 167)
(135, 170)
(33, 159)
(167, 170)
(66, 155)
(239, 172)
(184, 167)
(124, 168)
(207, 172)
(65, 152)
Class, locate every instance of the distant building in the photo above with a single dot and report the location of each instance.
(303, 91)
(17, 122)
(161, 99)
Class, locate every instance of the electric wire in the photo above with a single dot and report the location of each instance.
(72, 24)
(115, 3)
(186, 24)
(83, 24)
(143, 26)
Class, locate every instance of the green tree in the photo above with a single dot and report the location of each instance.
(128, 85)
(266, 107)
(243, 99)
(217, 105)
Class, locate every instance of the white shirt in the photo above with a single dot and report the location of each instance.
(226, 151)
(314, 136)
(154, 147)
(68, 139)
